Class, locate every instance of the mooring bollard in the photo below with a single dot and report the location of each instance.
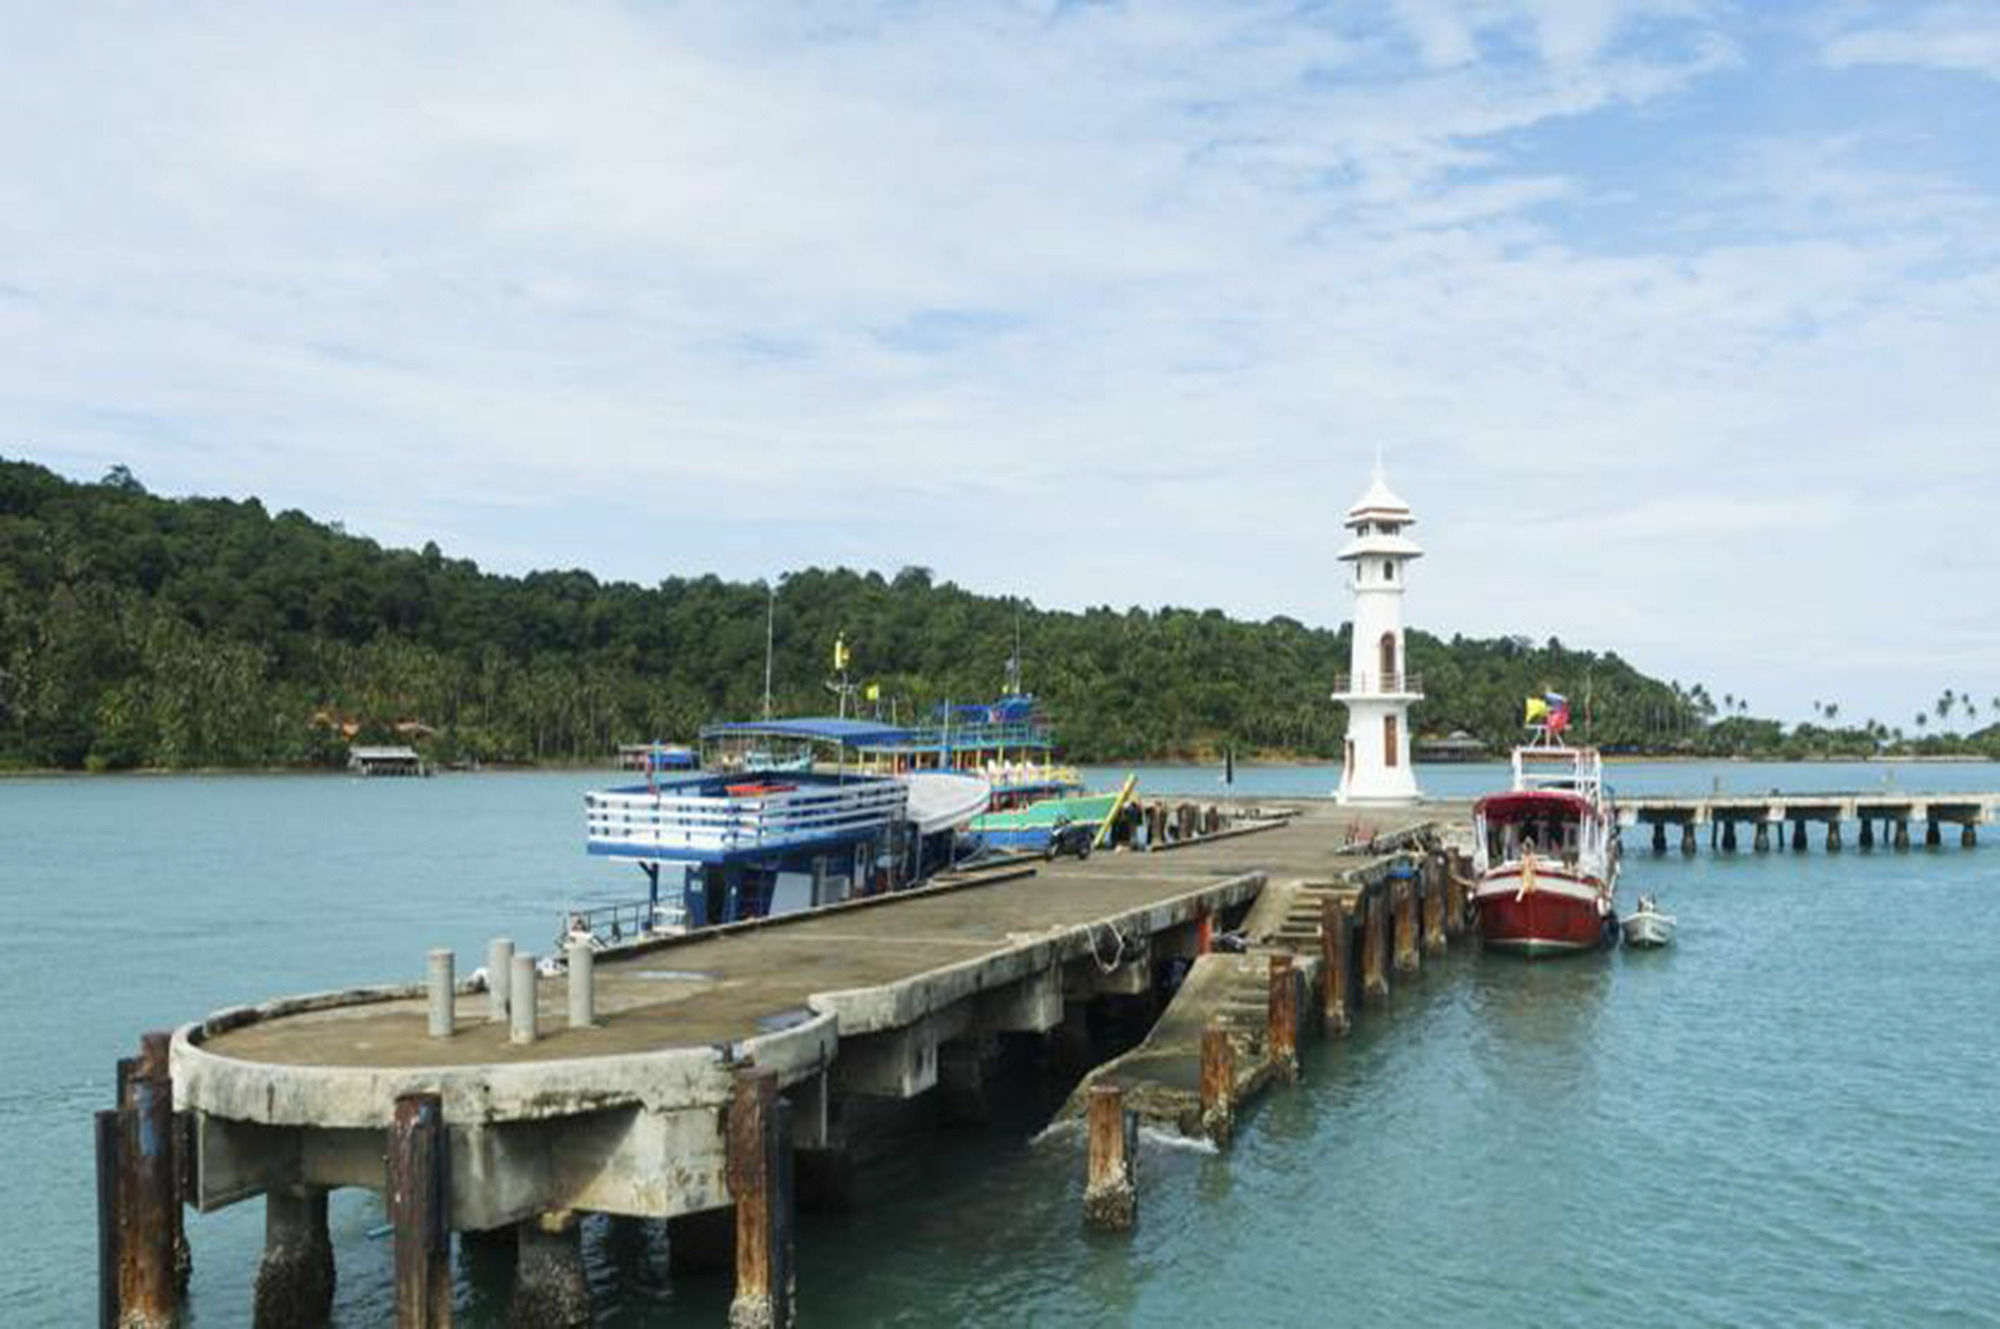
(1110, 1189)
(443, 994)
(1336, 954)
(419, 1204)
(1281, 1017)
(521, 1000)
(582, 985)
(1218, 1083)
(758, 1164)
(499, 978)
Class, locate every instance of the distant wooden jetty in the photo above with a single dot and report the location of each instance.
(1766, 817)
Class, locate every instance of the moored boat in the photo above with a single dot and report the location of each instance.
(1547, 852)
(1647, 927)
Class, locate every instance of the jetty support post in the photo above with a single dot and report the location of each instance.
(1687, 838)
(1375, 947)
(1218, 1083)
(759, 1167)
(1867, 838)
(1281, 1017)
(1659, 837)
(419, 1177)
(138, 1195)
(1968, 836)
(1902, 833)
(1458, 893)
(296, 1277)
(1433, 903)
(1110, 1190)
(1761, 842)
(1933, 834)
(1799, 835)
(1336, 950)
(551, 1290)
(1403, 898)
(1833, 834)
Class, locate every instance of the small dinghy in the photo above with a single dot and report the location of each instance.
(1646, 927)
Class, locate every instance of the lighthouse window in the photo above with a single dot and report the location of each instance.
(1388, 570)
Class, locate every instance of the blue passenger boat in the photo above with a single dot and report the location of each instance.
(783, 816)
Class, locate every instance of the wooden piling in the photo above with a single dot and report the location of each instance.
(760, 1182)
(1403, 898)
(1110, 1190)
(1336, 958)
(138, 1195)
(1433, 903)
(1281, 1017)
(1375, 948)
(1458, 894)
(419, 1184)
(1218, 1083)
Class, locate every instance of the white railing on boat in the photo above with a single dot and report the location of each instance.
(1570, 770)
(684, 822)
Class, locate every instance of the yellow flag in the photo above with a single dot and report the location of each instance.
(1537, 710)
(874, 692)
(840, 652)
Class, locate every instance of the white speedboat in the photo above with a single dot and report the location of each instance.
(1646, 926)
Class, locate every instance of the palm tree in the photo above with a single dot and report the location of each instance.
(1944, 702)
(1832, 711)
(1923, 719)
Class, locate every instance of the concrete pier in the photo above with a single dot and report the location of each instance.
(708, 1061)
(1894, 810)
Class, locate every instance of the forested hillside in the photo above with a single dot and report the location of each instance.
(142, 631)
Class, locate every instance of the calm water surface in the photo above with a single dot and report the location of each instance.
(1788, 1118)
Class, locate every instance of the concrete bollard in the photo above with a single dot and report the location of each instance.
(1281, 1018)
(1218, 1083)
(1336, 958)
(582, 985)
(443, 994)
(1110, 1191)
(521, 1000)
(499, 978)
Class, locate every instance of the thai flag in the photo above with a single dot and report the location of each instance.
(1558, 712)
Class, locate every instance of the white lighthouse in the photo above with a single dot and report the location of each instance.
(1378, 690)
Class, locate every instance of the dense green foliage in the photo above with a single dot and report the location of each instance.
(141, 631)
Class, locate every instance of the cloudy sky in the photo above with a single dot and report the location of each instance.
(1677, 321)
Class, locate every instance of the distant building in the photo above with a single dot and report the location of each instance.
(385, 760)
(1455, 746)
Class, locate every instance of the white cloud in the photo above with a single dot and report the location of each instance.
(1088, 303)
(1938, 36)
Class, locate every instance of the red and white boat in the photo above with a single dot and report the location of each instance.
(1547, 854)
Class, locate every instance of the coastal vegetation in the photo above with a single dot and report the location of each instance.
(141, 631)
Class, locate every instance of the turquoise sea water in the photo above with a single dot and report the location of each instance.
(1791, 1117)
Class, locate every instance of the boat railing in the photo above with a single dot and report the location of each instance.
(611, 923)
(1395, 684)
(1017, 734)
(677, 822)
(1571, 770)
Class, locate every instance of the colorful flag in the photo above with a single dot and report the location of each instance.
(1558, 706)
(1537, 710)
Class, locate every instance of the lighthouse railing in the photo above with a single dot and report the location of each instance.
(1408, 685)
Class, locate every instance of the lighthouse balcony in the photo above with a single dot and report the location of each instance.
(1379, 685)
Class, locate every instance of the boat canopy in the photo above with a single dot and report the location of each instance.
(811, 729)
(1527, 804)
